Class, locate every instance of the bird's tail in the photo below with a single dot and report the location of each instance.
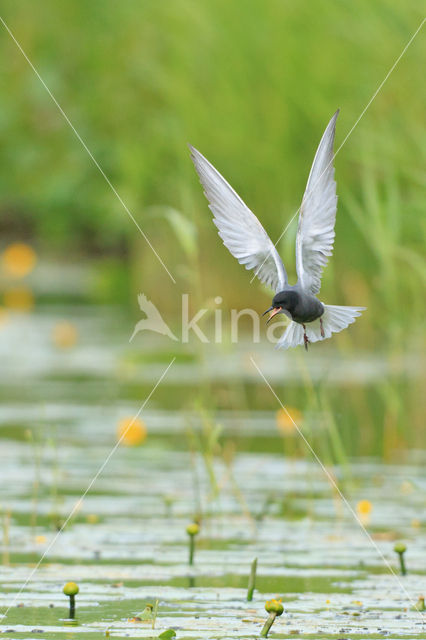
(334, 319)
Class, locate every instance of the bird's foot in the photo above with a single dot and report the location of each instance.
(305, 338)
(322, 329)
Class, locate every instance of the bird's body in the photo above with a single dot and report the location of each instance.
(300, 306)
(248, 241)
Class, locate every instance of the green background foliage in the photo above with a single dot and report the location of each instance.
(251, 84)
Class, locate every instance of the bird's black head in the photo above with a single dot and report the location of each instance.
(282, 302)
(286, 300)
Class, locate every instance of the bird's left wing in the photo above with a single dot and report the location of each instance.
(239, 228)
(315, 233)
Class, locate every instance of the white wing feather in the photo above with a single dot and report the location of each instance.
(315, 233)
(334, 319)
(239, 228)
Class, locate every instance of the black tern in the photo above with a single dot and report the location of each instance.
(247, 240)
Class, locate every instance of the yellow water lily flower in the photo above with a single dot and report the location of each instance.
(92, 518)
(286, 420)
(64, 335)
(131, 431)
(274, 606)
(364, 509)
(18, 259)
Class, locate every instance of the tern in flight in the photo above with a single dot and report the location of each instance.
(247, 240)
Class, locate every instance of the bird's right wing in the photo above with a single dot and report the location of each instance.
(315, 233)
(239, 228)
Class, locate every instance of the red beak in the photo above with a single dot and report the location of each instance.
(274, 313)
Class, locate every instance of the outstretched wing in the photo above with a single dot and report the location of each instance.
(315, 233)
(239, 228)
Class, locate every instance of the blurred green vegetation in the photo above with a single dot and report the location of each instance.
(251, 84)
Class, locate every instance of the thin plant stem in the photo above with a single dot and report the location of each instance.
(154, 614)
(191, 549)
(402, 564)
(268, 624)
(72, 607)
(252, 580)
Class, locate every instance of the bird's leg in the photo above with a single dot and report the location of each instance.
(305, 337)
(322, 329)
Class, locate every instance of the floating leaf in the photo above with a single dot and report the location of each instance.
(166, 635)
